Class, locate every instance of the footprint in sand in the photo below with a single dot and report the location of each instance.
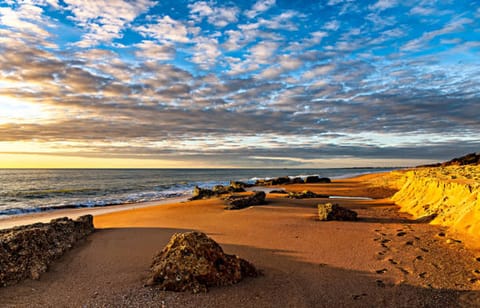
(476, 272)
(380, 283)
(409, 243)
(401, 233)
(422, 275)
(403, 270)
(359, 296)
(393, 261)
(381, 271)
(419, 258)
(478, 259)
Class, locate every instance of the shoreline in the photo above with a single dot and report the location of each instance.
(73, 213)
(182, 194)
(45, 216)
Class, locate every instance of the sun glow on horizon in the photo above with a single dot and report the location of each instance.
(14, 110)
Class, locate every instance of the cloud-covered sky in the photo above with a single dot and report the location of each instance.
(262, 83)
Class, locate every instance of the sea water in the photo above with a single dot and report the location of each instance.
(34, 190)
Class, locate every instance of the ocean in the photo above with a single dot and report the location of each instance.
(33, 190)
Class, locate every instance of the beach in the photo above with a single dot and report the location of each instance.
(384, 259)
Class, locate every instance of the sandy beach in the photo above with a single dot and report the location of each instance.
(385, 259)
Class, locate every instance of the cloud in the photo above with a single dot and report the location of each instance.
(203, 80)
(104, 20)
(26, 18)
(216, 15)
(262, 52)
(154, 51)
(455, 25)
(332, 25)
(165, 29)
(206, 52)
(382, 5)
(259, 7)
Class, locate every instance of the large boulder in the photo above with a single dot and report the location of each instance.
(328, 211)
(194, 262)
(27, 251)
(240, 202)
(306, 194)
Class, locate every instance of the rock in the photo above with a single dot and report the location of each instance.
(202, 193)
(316, 179)
(240, 202)
(305, 195)
(194, 262)
(296, 181)
(469, 159)
(281, 180)
(239, 185)
(27, 251)
(328, 211)
(218, 190)
(278, 191)
(274, 181)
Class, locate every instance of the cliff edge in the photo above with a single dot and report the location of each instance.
(449, 194)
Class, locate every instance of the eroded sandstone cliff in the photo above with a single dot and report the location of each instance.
(451, 194)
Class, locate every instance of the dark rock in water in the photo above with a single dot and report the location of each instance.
(277, 191)
(202, 193)
(218, 190)
(296, 181)
(27, 251)
(330, 211)
(316, 179)
(305, 195)
(274, 181)
(240, 202)
(194, 262)
(239, 185)
(281, 180)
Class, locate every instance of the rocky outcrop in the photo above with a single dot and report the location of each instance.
(238, 185)
(287, 180)
(217, 191)
(194, 262)
(240, 202)
(328, 211)
(316, 179)
(450, 195)
(274, 181)
(305, 195)
(27, 251)
(469, 159)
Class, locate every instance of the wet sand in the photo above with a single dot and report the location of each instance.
(385, 259)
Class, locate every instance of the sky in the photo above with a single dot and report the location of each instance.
(263, 83)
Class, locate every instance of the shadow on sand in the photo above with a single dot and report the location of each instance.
(110, 267)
